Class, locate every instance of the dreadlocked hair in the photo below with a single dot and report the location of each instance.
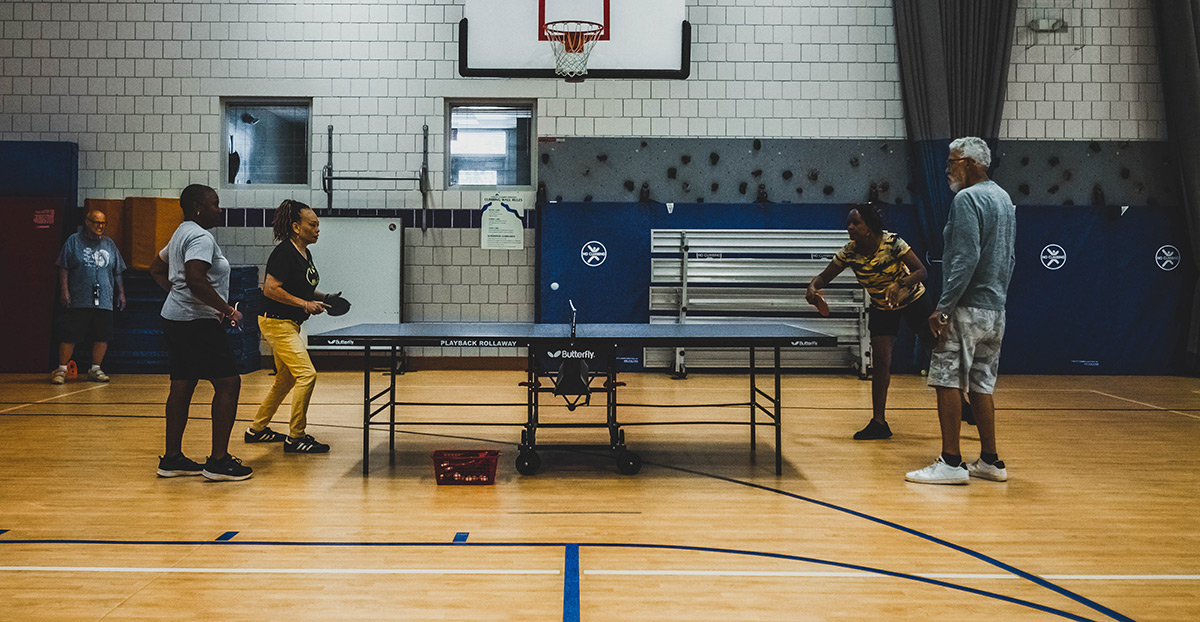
(871, 216)
(286, 214)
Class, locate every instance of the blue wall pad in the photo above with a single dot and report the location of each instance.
(1110, 309)
(42, 169)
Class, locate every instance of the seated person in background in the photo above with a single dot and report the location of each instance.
(892, 274)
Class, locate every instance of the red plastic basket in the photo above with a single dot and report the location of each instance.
(454, 467)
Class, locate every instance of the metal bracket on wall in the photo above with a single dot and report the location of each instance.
(422, 178)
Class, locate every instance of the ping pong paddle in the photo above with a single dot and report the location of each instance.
(337, 305)
(822, 306)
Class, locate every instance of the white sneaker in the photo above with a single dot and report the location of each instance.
(96, 374)
(983, 470)
(939, 473)
(58, 376)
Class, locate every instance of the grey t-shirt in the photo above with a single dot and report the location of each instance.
(191, 241)
(980, 253)
(92, 269)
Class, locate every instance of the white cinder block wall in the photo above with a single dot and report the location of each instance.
(137, 85)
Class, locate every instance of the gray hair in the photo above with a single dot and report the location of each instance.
(974, 148)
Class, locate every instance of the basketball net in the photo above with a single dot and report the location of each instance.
(572, 43)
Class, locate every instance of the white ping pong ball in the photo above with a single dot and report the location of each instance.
(554, 286)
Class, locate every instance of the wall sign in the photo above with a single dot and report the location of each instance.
(1167, 257)
(593, 253)
(1054, 257)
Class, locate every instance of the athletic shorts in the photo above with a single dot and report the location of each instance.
(83, 325)
(199, 349)
(886, 322)
(969, 355)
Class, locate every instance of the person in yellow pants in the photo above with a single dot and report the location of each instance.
(290, 288)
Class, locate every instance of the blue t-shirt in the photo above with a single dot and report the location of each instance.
(92, 269)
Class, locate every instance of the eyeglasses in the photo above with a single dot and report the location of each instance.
(97, 222)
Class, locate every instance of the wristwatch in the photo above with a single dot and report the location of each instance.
(943, 317)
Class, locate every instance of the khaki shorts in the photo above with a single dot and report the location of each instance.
(968, 357)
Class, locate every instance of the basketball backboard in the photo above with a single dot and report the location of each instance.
(641, 38)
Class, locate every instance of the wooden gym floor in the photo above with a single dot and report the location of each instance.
(1098, 520)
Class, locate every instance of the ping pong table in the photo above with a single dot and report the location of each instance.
(583, 354)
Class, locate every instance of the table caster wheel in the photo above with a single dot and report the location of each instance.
(528, 463)
(629, 463)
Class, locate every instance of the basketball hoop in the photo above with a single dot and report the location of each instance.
(572, 43)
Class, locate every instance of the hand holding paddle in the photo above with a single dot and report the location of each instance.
(814, 298)
(337, 305)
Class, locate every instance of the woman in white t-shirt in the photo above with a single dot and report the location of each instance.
(195, 274)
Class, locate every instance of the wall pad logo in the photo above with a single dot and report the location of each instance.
(1167, 257)
(1054, 257)
(341, 342)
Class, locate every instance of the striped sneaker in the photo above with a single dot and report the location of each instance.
(265, 435)
(304, 445)
(178, 466)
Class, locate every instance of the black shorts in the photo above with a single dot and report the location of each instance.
(886, 322)
(199, 349)
(83, 325)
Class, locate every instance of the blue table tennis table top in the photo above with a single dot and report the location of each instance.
(505, 335)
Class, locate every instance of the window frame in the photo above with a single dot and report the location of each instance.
(223, 151)
(451, 103)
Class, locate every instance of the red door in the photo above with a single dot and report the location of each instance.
(30, 238)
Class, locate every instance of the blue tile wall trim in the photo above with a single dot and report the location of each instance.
(465, 218)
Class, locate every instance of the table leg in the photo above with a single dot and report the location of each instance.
(778, 417)
(753, 405)
(392, 409)
(366, 408)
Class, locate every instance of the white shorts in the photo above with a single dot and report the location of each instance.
(968, 356)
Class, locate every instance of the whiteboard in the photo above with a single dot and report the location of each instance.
(364, 259)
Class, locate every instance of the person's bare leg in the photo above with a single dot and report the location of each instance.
(65, 352)
(224, 412)
(950, 418)
(178, 402)
(984, 407)
(881, 376)
(99, 349)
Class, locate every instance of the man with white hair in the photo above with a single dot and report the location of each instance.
(89, 288)
(977, 264)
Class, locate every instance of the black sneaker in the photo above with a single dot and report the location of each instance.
(227, 469)
(178, 466)
(304, 445)
(265, 435)
(873, 432)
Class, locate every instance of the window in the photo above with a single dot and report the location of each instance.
(490, 144)
(266, 141)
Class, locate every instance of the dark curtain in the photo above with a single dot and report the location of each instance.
(953, 59)
(1179, 63)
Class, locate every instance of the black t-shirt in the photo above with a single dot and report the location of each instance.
(299, 278)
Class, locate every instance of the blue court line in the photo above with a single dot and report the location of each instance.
(460, 537)
(571, 581)
(227, 536)
(571, 584)
(934, 539)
